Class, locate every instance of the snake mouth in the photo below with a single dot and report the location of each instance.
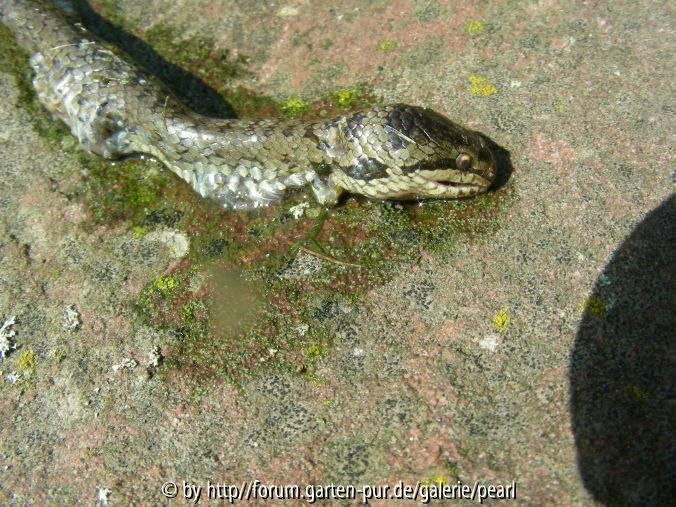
(452, 180)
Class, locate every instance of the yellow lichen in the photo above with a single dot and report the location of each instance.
(560, 107)
(595, 305)
(387, 45)
(638, 394)
(501, 320)
(314, 351)
(25, 360)
(474, 27)
(481, 86)
(57, 355)
(438, 480)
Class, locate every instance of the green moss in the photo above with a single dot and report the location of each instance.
(198, 55)
(131, 191)
(15, 61)
(295, 106)
(139, 231)
(247, 103)
(166, 286)
(111, 11)
(271, 341)
(191, 311)
(346, 97)
(387, 45)
(159, 292)
(167, 41)
(169, 301)
(250, 104)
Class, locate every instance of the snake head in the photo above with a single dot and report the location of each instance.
(419, 154)
(444, 159)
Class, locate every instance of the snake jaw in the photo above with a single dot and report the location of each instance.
(450, 183)
(455, 178)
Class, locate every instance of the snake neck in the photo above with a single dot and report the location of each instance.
(241, 163)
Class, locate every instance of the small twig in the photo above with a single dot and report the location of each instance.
(400, 134)
(164, 114)
(72, 44)
(328, 258)
(429, 136)
(317, 226)
(311, 237)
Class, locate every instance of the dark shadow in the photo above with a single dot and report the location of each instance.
(503, 161)
(191, 90)
(623, 368)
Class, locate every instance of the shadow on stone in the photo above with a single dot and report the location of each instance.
(192, 91)
(503, 162)
(622, 370)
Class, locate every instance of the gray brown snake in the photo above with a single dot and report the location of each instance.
(115, 109)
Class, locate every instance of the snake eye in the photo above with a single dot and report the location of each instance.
(463, 161)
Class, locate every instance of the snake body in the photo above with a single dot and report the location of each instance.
(115, 109)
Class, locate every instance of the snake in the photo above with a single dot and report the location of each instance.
(116, 109)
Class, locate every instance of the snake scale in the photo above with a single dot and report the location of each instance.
(115, 109)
